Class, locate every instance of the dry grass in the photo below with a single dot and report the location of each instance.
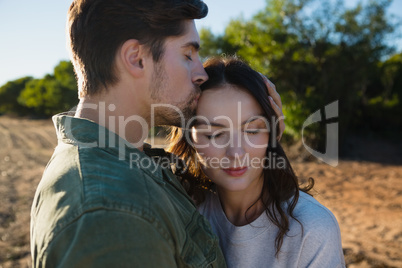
(365, 197)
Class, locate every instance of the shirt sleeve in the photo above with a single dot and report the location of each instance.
(110, 239)
(322, 246)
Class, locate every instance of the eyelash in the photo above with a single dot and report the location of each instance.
(189, 58)
(252, 132)
(249, 132)
(209, 137)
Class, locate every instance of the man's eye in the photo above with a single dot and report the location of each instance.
(189, 58)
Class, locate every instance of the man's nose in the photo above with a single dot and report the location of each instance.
(199, 74)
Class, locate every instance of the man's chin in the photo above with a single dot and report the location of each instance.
(182, 121)
(167, 118)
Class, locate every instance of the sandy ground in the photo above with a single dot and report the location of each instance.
(366, 197)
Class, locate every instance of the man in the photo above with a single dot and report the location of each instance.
(102, 202)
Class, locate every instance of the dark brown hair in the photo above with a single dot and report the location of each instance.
(280, 184)
(97, 28)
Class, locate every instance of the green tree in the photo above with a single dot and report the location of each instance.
(53, 93)
(391, 77)
(315, 52)
(214, 45)
(64, 73)
(384, 109)
(9, 94)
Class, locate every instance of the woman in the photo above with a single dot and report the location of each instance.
(243, 182)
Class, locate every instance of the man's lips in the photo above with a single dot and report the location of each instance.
(235, 172)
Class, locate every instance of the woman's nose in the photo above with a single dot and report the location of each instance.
(235, 149)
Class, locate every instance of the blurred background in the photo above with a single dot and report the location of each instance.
(315, 51)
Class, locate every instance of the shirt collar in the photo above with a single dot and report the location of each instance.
(86, 134)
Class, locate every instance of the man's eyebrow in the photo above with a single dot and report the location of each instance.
(192, 44)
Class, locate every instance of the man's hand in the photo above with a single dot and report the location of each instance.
(276, 103)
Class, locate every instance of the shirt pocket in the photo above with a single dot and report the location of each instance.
(201, 247)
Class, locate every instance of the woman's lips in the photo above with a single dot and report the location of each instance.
(235, 172)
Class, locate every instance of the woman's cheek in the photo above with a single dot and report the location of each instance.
(205, 152)
(210, 156)
(202, 154)
(257, 141)
(201, 142)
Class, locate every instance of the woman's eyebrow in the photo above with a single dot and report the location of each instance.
(213, 124)
(254, 118)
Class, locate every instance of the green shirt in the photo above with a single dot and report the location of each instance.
(103, 203)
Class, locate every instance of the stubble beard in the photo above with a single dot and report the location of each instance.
(165, 115)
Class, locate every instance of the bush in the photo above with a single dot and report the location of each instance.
(9, 94)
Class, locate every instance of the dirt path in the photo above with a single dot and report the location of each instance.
(25, 147)
(365, 197)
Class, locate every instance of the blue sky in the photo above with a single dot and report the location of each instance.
(33, 37)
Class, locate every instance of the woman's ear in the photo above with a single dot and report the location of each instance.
(132, 57)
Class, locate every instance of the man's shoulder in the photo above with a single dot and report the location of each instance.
(76, 183)
(78, 180)
(100, 176)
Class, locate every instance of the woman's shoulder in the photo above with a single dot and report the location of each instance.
(321, 236)
(209, 203)
(314, 216)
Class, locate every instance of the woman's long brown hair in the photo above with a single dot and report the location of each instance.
(280, 185)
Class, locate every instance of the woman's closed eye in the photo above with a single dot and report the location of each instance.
(215, 135)
(255, 127)
(252, 131)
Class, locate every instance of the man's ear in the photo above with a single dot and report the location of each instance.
(132, 56)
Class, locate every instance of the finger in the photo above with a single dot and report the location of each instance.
(272, 91)
(281, 118)
(276, 104)
(274, 94)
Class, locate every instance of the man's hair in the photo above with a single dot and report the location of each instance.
(97, 28)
